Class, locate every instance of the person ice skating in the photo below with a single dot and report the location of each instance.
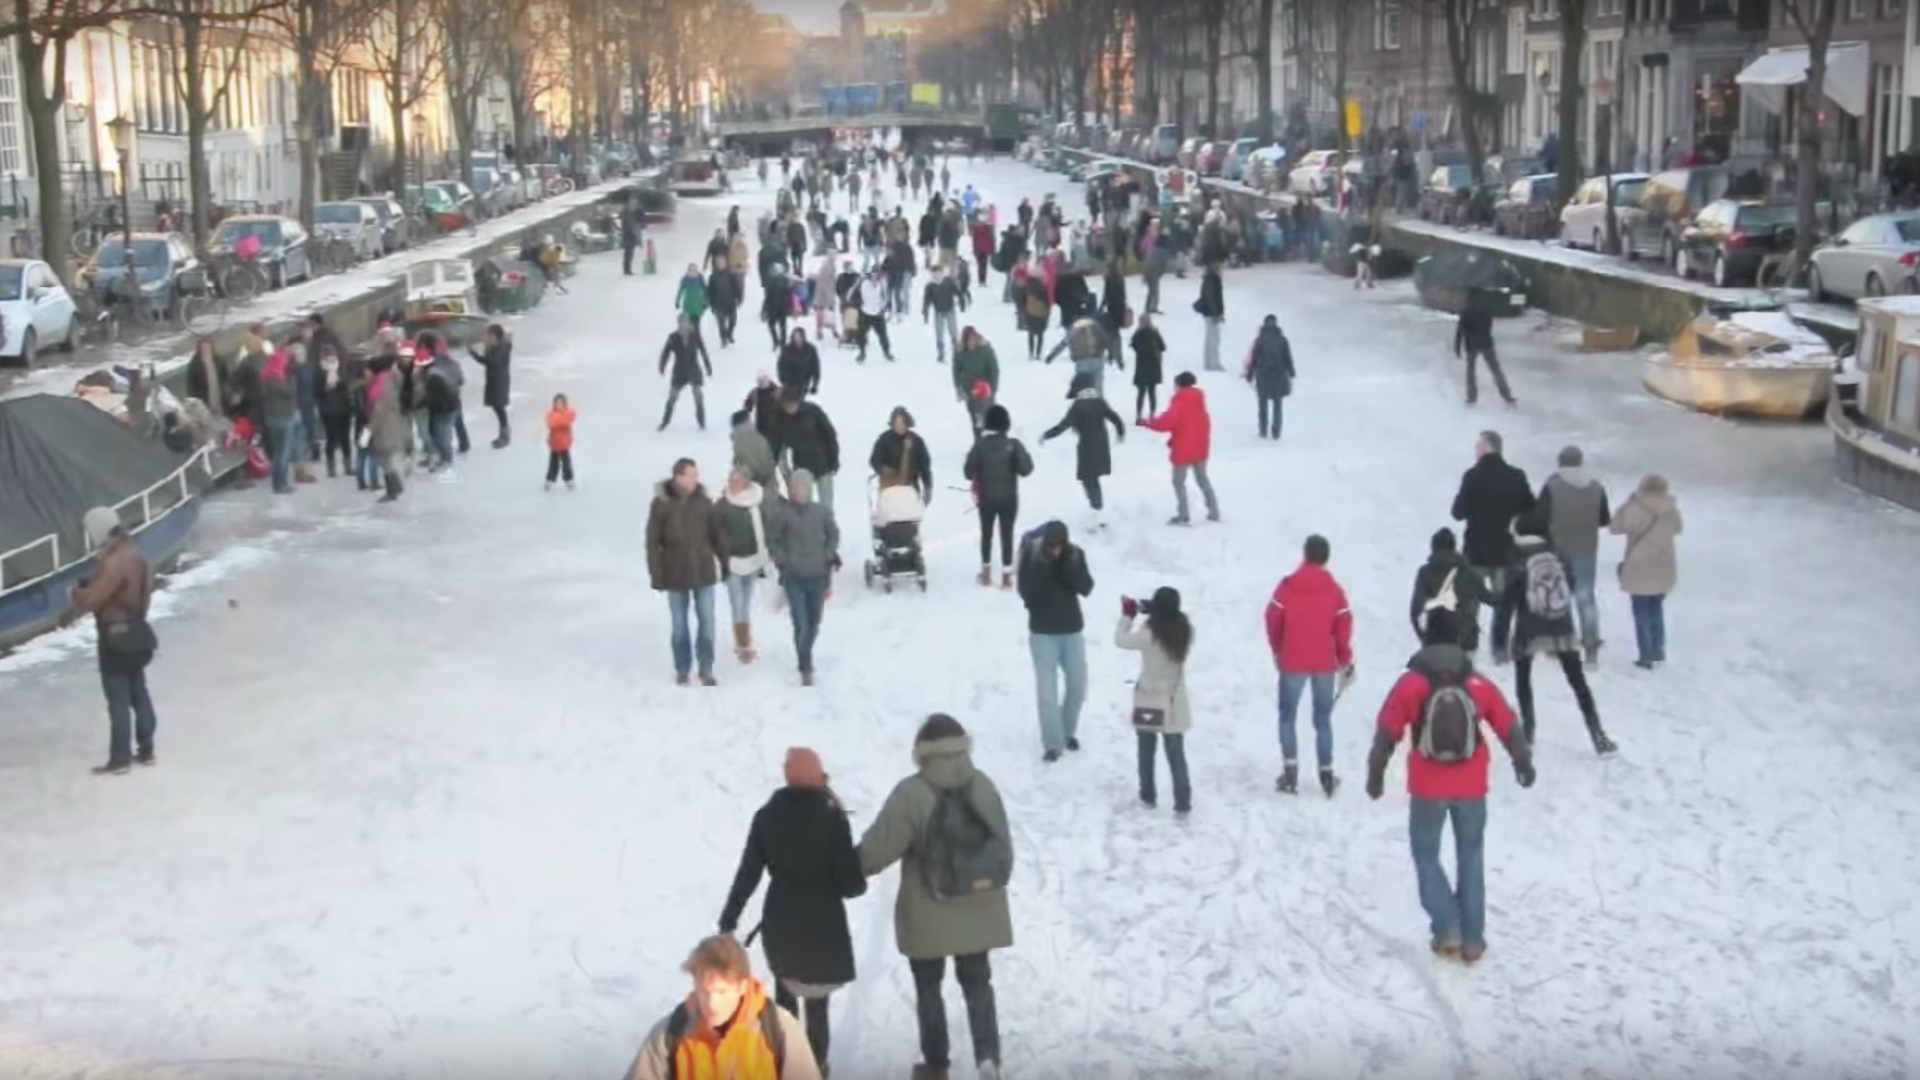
(1189, 432)
(1162, 714)
(717, 248)
(752, 452)
(947, 828)
(1089, 416)
(776, 306)
(686, 354)
(1650, 520)
(560, 419)
(801, 843)
(1270, 370)
(874, 304)
(1473, 339)
(118, 594)
(807, 440)
(803, 540)
(1445, 582)
(726, 1027)
(723, 297)
(1088, 346)
(691, 298)
(1053, 577)
(1036, 307)
(1212, 307)
(1155, 255)
(901, 453)
(743, 524)
(981, 236)
(1576, 508)
(1492, 494)
(495, 357)
(684, 542)
(632, 224)
(799, 363)
(1310, 631)
(1535, 618)
(1442, 707)
(1148, 349)
(939, 304)
(995, 466)
(974, 363)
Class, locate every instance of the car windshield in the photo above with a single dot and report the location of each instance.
(12, 280)
(337, 214)
(1763, 217)
(267, 232)
(381, 210)
(1909, 229)
(147, 254)
(1627, 190)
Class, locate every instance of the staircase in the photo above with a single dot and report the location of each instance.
(340, 174)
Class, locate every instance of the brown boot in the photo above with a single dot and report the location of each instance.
(743, 642)
(1006, 579)
(985, 577)
(930, 1072)
(302, 476)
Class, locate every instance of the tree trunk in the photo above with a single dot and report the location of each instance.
(193, 44)
(1817, 26)
(1263, 58)
(308, 94)
(1215, 15)
(42, 97)
(1573, 96)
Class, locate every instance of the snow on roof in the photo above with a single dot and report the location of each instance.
(1905, 307)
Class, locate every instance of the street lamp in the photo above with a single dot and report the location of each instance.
(120, 133)
(420, 144)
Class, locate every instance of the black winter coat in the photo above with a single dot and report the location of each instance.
(1212, 303)
(995, 465)
(1474, 332)
(1113, 299)
(723, 292)
(810, 437)
(1087, 416)
(1148, 348)
(1071, 296)
(800, 839)
(1491, 495)
(1469, 592)
(778, 302)
(1516, 628)
(1272, 370)
(799, 365)
(891, 447)
(687, 353)
(496, 361)
(1051, 587)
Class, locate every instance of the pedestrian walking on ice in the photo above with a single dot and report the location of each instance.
(995, 466)
(726, 1027)
(118, 594)
(1576, 508)
(1053, 577)
(1270, 370)
(1212, 308)
(1148, 350)
(1473, 339)
(1310, 631)
(1535, 618)
(560, 442)
(1189, 432)
(803, 540)
(684, 544)
(1442, 707)
(495, 357)
(684, 360)
(1650, 520)
(1492, 494)
(691, 299)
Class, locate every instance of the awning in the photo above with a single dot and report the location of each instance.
(1768, 77)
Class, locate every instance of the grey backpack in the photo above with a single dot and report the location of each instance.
(1448, 728)
(961, 855)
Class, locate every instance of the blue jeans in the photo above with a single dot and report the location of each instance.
(1211, 346)
(130, 718)
(1055, 655)
(806, 601)
(740, 596)
(688, 648)
(1585, 608)
(281, 437)
(945, 331)
(1293, 684)
(1456, 915)
(1650, 627)
(440, 430)
(366, 465)
(1094, 368)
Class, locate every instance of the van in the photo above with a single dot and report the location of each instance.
(1653, 225)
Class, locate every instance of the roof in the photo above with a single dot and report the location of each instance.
(60, 457)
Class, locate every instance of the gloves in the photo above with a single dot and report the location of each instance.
(834, 564)
(728, 926)
(1523, 772)
(1129, 606)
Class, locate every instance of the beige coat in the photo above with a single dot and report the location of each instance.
(1163, 680)
(1650, 523)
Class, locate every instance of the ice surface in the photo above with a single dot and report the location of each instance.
(429, 805)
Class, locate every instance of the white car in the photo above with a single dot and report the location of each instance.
(1315, 174)
(1583, 221)
(35, 311)
(355, 222)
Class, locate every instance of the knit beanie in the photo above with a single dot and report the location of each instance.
(803, 768)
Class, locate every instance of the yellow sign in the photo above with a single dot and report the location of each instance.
(926, 93)
(1353, 118)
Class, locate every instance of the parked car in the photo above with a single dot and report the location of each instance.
(1316, 173)
(354, 222)
(1667, 204)
(34, 309)
(1730, 238)
(1447, 194)
(1527, 207)
(163, 263)
(393, 222)
(1190, 153)
(1874, 256)
(1166, 144)
(285, 248)
(1583, 221)
(1237, 155)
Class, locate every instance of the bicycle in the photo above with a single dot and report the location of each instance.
(240, 280)
(334, 255)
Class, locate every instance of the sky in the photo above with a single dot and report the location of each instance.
(808, 16)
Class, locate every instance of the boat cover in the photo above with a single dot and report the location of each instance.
(60, 457)
(1446, 280)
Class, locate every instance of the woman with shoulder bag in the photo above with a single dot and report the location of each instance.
(1160, 708)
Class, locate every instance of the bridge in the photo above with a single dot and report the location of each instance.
(925, 121)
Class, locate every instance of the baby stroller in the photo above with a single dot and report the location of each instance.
(897, 556)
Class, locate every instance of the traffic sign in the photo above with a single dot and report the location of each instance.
(1353, 118)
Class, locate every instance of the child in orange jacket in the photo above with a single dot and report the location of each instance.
(560, 442)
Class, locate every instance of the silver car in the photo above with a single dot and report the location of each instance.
(355, 222)
(1875, 256)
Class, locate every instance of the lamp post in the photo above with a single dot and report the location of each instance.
(420, 143)
(120, 133)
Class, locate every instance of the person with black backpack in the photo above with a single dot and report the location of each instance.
(1535, 618)
(1446, 582)
(1438, 705)
(726, 1027)
(947, 828)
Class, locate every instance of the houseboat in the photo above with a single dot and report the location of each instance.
(1875, 416)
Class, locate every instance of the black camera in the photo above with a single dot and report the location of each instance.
(1143, 607)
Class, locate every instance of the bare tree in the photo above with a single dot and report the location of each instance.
(1573, 97)
(215, 37)
(408, 54)
(1322, 32)
(474, 35)
(1263, 67)
(1814, 20)
(1473, 104)
(318, 33)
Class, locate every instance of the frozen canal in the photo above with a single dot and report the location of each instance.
(429, 804)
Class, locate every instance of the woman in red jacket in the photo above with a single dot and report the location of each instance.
(982, 246)
(1190, 437)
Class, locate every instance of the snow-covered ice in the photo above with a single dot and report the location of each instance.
(428, 803)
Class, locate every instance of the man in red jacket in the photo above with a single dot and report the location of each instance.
(1440, 703)
(1190, 437)
(1310, 630)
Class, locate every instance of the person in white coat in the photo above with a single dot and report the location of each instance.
(1161, 713)
(745, 530)
(873, 314)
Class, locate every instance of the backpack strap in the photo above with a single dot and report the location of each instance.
(677, 1022)
(770, 1029)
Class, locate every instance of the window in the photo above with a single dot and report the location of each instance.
(1387, 30)
(1893, 9)
(1856, 9)
(11, 160)
(1905, 407)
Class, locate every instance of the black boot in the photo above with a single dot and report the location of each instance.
(1289, 781)
(1602, 745)
(1329, 783)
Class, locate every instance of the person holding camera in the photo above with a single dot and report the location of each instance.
(1160, 709)
(1439, 705)
(1053, 577)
